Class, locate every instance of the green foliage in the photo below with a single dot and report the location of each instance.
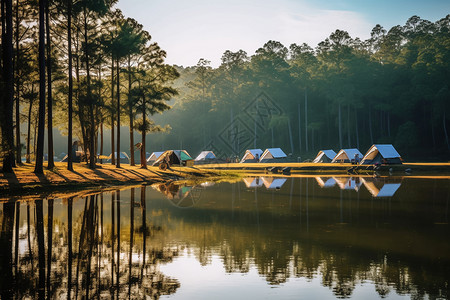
(372, 91)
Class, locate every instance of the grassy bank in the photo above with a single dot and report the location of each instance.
(24, 181)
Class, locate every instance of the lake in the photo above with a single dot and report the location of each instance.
(300, 237)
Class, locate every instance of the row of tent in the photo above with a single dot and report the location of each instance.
(251, 155)
(377, 154)
(375, 187)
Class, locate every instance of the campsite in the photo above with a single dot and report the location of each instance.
(247, 149)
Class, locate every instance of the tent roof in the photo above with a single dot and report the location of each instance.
(206, 155)
(388, 190)
(122, 155)
(273, 183)
(330, 182)
(252, 153)
(154, 156)
(181, 154)
(350, 153)
(345, 183)
(386, 151)
(253, 182)
(328, 153)
(276, 153)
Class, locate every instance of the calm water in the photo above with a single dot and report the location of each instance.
(261, 238)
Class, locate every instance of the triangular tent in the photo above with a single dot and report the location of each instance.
(174, 157)
(251, 156)
(325, 156)
(346, 155)
(273, 154)
(205, 155)
(154, 156)
(382, 154)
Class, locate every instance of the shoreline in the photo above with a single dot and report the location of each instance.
(24, 182)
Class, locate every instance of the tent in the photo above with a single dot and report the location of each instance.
(325, 183)
(124, 158)
(382, 154)
(351, 183)
(251, 156)
(205, 155)
(273, 183)
(324, 156)
(346, 155)
(175, 157)
(386, 190)
(253, 182)
(272, 155)
(154, 156)
(79, 157)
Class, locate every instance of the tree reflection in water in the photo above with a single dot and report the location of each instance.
(76, 255)
(110, 245)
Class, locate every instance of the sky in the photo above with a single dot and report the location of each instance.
(192, 29)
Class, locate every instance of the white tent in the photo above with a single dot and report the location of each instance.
(251, 155)
(325, 183)
(386, 190)
(346, 155)
(253, 182)
(272, 154)
(349, 183)
(205, 155)
(382, 153)
(273, 183)
(325, 156)
(124, 158)
(154, 156)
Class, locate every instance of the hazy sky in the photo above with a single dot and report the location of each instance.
(192, 29)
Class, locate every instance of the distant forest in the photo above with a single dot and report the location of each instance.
(84, 68)
(345, 93)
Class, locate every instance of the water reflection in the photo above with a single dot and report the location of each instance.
(74, 250)
(358, 231)
(378, 187)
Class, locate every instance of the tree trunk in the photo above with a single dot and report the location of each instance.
(91, 127)
(38, 169)
(370, 126)
(143, 150)
(18, 145)
(389, 124)
(118, 113)
(356, 128)
(113, 145)
(299, 130)
(306, 121)
(290, 136)
(101, 140)
(348, 126)
(70, 96)
(51, 163)
(28, 157)
(445, 132)
(8, 102)
(130, 107)
(340, 126)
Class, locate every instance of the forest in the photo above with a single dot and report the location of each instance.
(345, 93)
(84, 69)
